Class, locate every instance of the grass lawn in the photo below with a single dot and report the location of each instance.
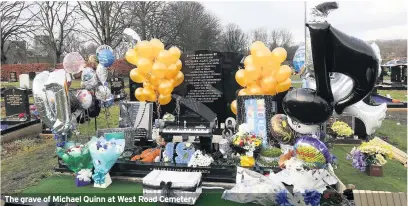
(397, 134)
(394, 179)
(395, 94)
(65, 185)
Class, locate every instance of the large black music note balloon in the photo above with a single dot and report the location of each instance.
(332, 51)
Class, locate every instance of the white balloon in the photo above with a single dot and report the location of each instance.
(102, 93)
(73, 62)
(85, 98)
(302, 128)
(102, 73)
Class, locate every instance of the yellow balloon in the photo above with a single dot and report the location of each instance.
(154, 80)
(139, 94)
(234, 107)
(248, 61)
(158, 69)
(164, 99)
(144, 49)
(157, 46)
(131, 56)
(144, 65)
(179, 64)
(172, 81)
(240, 77)
(256, 46)
(149, 94)
(137, 76)
(283, 73)
(165, 87)
(175, 53)
(254, 90)
(148, 84)
(283, 86)
(268, 84)
(171, 71)
(179, 78)
(260, 59)
(242, 92)
(279, 55)
(252, 73)
(165, 57)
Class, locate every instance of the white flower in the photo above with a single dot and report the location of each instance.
(85, 175)
(242, 129)
(250, 154)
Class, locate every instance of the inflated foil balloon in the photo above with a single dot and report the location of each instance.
(85, 98)
(41, 101)
(73, 62)
(106, 57)
(94, 109)
(299, 59)
(281, 130)
(312, 152)
(102, 47)
(303, 128)
(103, 93)
(306, 107)
(73, 101)
(341, 85)
(131, 36)
(102, 73)
(89, 79)
(56, 83)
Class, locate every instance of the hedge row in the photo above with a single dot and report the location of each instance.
(121, 67)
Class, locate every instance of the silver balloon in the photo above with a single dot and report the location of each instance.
(302, 128)
(57, 84)
(131, 36)
(371, 116)
(41, 101)
(378, 56)
(89, 79)
(85, 98)
(341, 85)
(103, 93)
(102, 73)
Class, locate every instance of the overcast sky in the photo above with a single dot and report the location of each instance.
(368, 20)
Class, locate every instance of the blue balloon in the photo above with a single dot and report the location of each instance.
(299, 58)
(106, 57)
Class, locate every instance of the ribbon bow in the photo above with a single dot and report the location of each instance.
(166, 188)
(99, 178)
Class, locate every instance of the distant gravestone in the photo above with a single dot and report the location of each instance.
(24, 80)
(32, 75)
(16, 102)
(117, 87)
(13, 77)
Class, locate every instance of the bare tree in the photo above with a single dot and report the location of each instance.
(108, 19)
(14, 24)
(83, 46)
(260, 34)
(233, 39)
(57, 21)
(280, 38)
(191, 27)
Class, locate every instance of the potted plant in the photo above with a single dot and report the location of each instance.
(341, 129)
(370, 156)
(269, 157)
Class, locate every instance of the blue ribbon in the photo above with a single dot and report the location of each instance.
(282, 198)
(99, 178)
(312, 197)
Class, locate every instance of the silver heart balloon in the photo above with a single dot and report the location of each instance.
(102, 73)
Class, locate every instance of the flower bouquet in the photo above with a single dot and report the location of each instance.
(369, 154)
(246, 144)
(341, 129)
(105, 151)
(78, 158)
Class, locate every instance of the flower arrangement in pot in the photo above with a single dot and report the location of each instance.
(246, 144)
(269, 157)
(370, 155)
(341, 129)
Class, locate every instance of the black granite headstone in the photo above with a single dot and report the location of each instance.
(16, 102)
(13, 77)
(117, 86)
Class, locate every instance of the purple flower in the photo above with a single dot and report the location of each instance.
(358, 160)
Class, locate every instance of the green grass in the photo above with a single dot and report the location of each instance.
(397, 134)
(394, 174)
(395, 94)
(65, 185)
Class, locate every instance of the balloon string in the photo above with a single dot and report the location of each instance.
(158, 108)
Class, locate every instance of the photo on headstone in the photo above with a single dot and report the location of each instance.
(137, 115)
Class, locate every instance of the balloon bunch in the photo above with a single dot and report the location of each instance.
(263, 73)
(158, 69)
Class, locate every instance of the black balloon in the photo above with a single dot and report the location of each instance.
(95, 108)
(306, 106)
(335, 51)
(73, 101)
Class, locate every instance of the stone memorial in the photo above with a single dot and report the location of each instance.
(16, 102)
(24, 81)
(32, 75)
(13, 77)
(117, 87)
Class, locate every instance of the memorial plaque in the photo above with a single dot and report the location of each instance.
(13, 77)
(117, 86)
(16, 102)
(137, 115)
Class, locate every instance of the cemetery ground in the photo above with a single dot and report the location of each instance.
(27, 164)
